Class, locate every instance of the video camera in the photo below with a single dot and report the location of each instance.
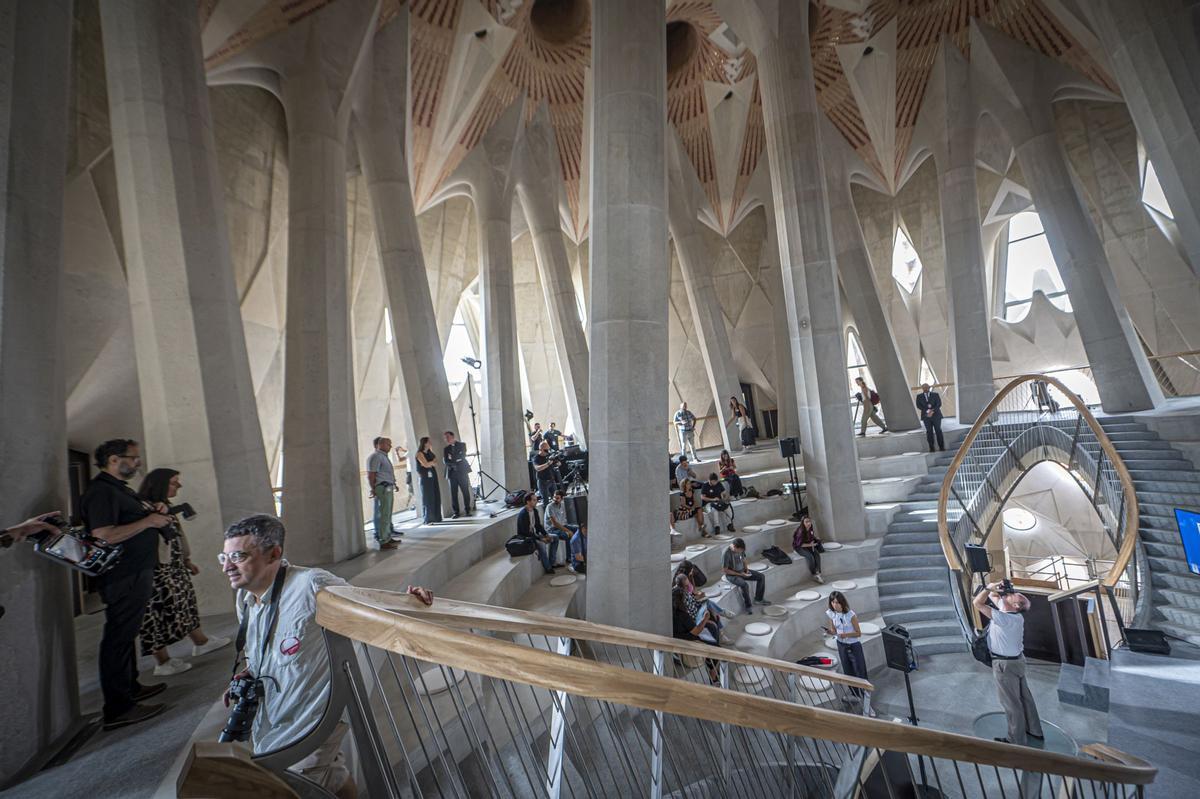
(72, 546)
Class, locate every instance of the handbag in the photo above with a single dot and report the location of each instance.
(699, 578)
(519, 547)
(979, 648)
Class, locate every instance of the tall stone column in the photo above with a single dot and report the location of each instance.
(786, 418)
(198, 408)
(40, 693)
(630, 277)
(862, 295)
(1020, 86)
(947, 127)
(488, 171)
(538, 177)
(321, 488)
(685, 196)
(380, 135)
(1154, 49)
(791, 118)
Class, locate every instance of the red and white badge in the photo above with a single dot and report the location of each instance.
(289, 646)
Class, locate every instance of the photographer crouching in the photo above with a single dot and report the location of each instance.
(281, 693)
(1001, 603)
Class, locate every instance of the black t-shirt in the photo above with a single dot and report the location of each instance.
(710, 491)
(109, 502)
(546, 474)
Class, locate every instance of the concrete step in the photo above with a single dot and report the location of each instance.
(1160, 566)
(1173, 614)
(911, 536)
(1186, 600)
(1164, 511)
(1134, 444)
(889, 563)
(1177, 467)
(1070, 685)
(1129, 453)
(940, 645)
(1159, 535)
(1187, 632)
(925, 550)
(1156, 521)
(934, 628)
(1157, 496)
(929, 613)
(913, 599)
(1169, 579)
(1162, 550)
(1095, 684)
(904, 586)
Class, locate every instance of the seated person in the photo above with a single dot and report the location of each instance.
(808, 545)
(684, 473)
(733, 566)
(715, 501)
(688, 507)
(696, 578)
(529, 525)
(578, 544)
(252, 560)
(727, 468)
(685, 627)
(556, 519)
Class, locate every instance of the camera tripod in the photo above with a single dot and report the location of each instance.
(479, 493)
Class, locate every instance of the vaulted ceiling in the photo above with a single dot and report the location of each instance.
(472, 58)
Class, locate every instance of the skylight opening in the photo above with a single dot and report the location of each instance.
(906, 264)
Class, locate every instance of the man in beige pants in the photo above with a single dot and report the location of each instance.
(1006, 640)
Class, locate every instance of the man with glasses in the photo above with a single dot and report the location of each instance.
(112, 512)
(556, 519)
(277, 606)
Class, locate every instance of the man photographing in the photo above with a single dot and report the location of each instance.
(112, 512)
(1001, 603)
(283, 645)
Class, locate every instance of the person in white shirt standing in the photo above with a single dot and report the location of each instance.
(284, 645)
(382, 477)
(1006, 641)
(843, 626)
(685, 427)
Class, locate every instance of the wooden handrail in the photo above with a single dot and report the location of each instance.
(342, 610)
(510, 620)
(1131, 503)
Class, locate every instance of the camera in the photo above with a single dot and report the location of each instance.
(1006, 587)
(245, 693)
(183, 509)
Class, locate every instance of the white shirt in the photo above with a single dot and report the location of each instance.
(295, 657)
(842, 624)
(1006, 633)
(381, 464)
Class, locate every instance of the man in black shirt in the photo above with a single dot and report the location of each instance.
(112, 512)
(529, 525)
(552, 436)
(546, 473)
(458, 474)
(716, 503)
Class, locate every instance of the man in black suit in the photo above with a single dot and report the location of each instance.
(529, 525)
(929, 403)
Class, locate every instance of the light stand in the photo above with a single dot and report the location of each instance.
(479, 493)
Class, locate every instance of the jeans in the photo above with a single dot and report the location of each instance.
(743, 584)
(687, 443)
(547, 553)
(460, 483)
(125, 600)
(854, 662)
(565, 537)
(385, 494)
(546, 488)
(813, 557)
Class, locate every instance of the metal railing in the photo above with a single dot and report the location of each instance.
(466, 700)
(1036, 418)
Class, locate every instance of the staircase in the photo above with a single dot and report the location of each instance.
(914, 581)
(1163, 480)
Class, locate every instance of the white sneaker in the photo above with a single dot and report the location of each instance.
(214, 643)
(818, 578)
(171, 667)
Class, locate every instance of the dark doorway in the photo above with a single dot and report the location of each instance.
(748, 401)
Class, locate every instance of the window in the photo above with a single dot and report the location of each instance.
(856, 362)
(926, 374)
(387, 325)
(458, 346)
(1030, 268)
(906, 264)
(580, 310)
(1152, 193)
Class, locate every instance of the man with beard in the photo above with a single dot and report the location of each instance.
(112, 512)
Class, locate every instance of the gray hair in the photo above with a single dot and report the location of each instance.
(267, 530)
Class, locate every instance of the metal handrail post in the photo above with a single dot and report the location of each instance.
(656, 736)
(558, 738)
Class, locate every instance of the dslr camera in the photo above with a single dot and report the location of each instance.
(1006, 587)
(245, 693)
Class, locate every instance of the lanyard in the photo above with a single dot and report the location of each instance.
(272, 619)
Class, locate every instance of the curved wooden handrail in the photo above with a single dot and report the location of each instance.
(510, 620)
(1131, 505)
(343, 611)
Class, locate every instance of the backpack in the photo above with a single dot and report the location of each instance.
(777, 556)
(519, 547)
(874, 398)
(979, 647)
(699, 578)
(515, 499)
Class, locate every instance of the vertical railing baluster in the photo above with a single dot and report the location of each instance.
(656, 736)
(558, 721)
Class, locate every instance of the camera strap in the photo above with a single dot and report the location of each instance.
(272, 620)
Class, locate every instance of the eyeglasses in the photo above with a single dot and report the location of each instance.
(233, 557)
(130, 457)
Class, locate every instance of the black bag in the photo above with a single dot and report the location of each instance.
(819, 547)
(699, 578)
(979, 648)
(777, 556)
(519, 547)
(720, 506)
(515, 499)
(748, 436)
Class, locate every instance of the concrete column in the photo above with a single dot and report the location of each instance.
(322, 505)
(198, 408)
(792, 122)
(948, 127)
(685, 197)
(380, 135)
(1154, 49)
(787, 421)
(37, 636)
(862, 295)
(1020, 86)
(488, 171)
(538, 178)
(630, 277)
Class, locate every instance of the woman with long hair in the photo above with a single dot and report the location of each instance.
(843, 626)
(685, 626)
(688, 508)
(431, 490)
(172, 614)
(745, 425)
(727, 468)
(808, 545)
